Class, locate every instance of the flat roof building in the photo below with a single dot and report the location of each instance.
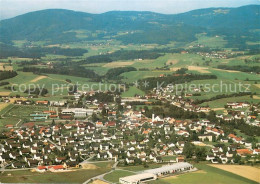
(152, 174)
(78, 112)
(138, 178)
(168, 169)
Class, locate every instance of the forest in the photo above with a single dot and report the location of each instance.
(122, 55)
(72, 71)
(221, 96)
(242, 68)
(170, 79)
(102, 97)
(7, 74)
(114, 73)
(37, 52)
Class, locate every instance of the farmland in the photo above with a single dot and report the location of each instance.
(206, 174)
(244, 171)
(74, 176)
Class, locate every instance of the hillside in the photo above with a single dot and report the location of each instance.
(61, 26)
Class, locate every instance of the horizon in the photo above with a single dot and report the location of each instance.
(13, 8)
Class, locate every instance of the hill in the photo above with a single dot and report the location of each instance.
(61, 26)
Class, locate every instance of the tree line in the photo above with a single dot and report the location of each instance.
(38, 52)
(122, 55)
(221, 96)
(170, 79)
(114, 73)
(172, 111)
(7, 74)
(72, 71)
(242, 68)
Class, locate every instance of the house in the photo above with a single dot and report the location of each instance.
(205, 137)
(223, 158)
(177, 151)
(244, 152)
(210, 157)
(16, 165)
(104, 146)
(102, 155)
(180, 159)
(214, 161)
(99, 124)
(248, 144)
(162, 152)
(45, 102)
(158, 159)
(256, 151)
(68, 126)
(41, 169)
(152, 156)
(130, 160)
(217, 149)
(32, 163)
(111, 124)
(180, 143)
(57, 168)
(72, 164)
(170, 152)
(9, 126)
(60, 159)
(229, 154)
(2, 158)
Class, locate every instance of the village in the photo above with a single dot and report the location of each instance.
(63, 138)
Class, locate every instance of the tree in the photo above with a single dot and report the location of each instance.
(200, 153)
(53, 122)
(188, 150)
(94, 117)
(237, 158)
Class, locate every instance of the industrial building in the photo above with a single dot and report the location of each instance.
(138, 178)
(152, 174)
(169, 169)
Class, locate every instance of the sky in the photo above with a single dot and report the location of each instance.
(11, 8)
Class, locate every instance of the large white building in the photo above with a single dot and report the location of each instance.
(169, 169)
(138, 178)
(152, 174)
(78, 112)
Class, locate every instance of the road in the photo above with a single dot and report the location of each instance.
(16, 125)
(58, 147)
(101, 176)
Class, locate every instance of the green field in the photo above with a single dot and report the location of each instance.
(15, 113)
(213, 42)
(52, 82)
(76, 176)
(205, 175)
(221, 102)
(115, 175)
(138, 168)
(132, 91)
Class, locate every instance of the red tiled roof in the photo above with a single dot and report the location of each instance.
(244, 151)
(56, 167)
(41, 167)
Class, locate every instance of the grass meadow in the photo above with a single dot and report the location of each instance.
(205, 175)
